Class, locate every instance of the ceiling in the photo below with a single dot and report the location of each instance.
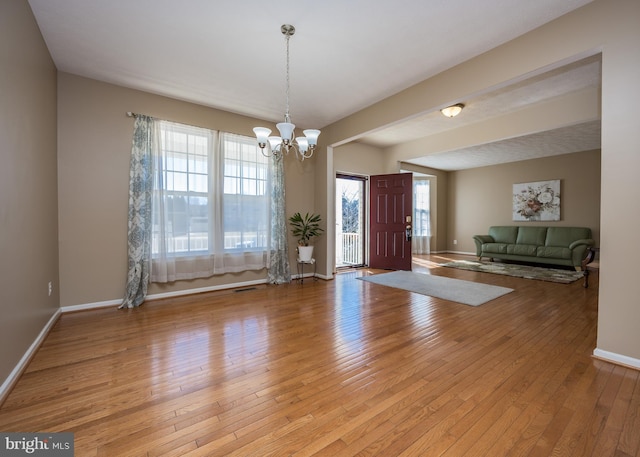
(345, 56)
(574, 77)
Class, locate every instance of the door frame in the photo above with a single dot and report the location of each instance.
(364, 230)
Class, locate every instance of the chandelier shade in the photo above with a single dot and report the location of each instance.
(286, 130)
(303, 146)
(262, 134)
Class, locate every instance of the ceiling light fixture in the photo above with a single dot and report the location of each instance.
(453, 110)
(303, 146)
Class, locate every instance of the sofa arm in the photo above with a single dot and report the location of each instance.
(480, 240)
(579, 249)
(585, 242)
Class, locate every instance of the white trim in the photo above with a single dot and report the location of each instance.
(330, 232)
(177, 293)
(15, 374)
(180, 293)
(310, 275)
(447, 251)
(618, 359)
(87, 306)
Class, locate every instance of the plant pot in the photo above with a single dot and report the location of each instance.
(305, 253)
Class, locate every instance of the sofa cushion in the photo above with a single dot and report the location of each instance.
(532, 235)
(504, 234)
(522, 249)
(495, 248)
(564, 236)
(553, 252)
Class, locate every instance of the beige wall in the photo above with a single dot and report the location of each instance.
(360, 159)
(603, 26)
(94, 149)
(618, 310)
(28, 193)
(481, 197)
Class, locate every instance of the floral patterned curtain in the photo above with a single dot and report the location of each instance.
(279, 271)
(139, 224)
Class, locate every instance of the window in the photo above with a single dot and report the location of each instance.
(421, 241)
(245, 194)
(183, 183)
(421, 224)
(210, 202)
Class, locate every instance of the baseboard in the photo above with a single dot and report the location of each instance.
(447, 251)
(325, 277)
(87, 306)
(15, 374)
(177, 293)
(618, 359)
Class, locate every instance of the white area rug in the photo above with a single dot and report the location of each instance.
(466, 292)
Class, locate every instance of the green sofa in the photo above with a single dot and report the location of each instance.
(567, 246)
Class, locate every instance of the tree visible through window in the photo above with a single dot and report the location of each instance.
(350, 201)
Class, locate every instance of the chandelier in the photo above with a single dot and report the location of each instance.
(303, 146)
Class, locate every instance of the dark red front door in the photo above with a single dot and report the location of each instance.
(391, 198)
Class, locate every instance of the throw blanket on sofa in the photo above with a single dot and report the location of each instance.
(549, 245)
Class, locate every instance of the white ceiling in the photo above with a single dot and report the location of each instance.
(345, 56)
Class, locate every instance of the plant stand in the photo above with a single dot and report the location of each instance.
(301, 264)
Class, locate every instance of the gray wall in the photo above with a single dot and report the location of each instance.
(28, 184)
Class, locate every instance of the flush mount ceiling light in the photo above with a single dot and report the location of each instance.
(453, 110)
(303, 146)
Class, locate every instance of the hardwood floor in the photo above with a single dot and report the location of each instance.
(335, 368)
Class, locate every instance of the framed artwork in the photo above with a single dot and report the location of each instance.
(537, 201)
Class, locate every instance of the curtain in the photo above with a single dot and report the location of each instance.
(421, 240)
(139, 219)
(279, 270)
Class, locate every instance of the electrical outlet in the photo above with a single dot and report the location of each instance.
(455, 241)
(50, 288)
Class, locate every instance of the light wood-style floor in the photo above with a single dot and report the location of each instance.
(335, 368)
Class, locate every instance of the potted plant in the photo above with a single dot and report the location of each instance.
(304, 228)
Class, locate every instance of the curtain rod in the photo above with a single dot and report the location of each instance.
(132, 114)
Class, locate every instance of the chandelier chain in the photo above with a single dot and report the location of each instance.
(286, 116)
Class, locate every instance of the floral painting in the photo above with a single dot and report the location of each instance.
(537, 201)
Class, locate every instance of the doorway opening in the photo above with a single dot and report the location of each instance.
(350, 220)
